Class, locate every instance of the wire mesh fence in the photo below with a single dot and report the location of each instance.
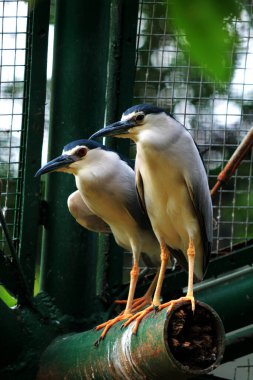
(13, 47)
(217, 114)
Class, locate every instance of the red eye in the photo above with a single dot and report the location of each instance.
(139, 117)
(81, 152)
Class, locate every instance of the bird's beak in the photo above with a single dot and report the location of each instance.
(59, 162)
(115, 129)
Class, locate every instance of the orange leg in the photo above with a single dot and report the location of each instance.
(165, 255)
(127, 312)
(189, 296)
(139, 303)
(156, 300)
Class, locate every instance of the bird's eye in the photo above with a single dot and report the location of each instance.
(139, 117)
(81, 152)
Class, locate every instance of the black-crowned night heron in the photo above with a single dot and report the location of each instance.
(173, 188)
(106, 200)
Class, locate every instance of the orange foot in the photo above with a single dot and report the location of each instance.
(108, 324)
(138, 318)
(138, 303)
(141, 314)
(171, 303)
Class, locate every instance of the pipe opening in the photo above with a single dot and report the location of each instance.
(195, 340)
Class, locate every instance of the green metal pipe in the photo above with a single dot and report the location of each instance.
(238, 343)
(152, 354)
(231, 296)
(77, 108)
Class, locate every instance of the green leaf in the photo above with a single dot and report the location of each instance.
(209, 35)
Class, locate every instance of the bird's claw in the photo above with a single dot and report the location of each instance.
(111, 322)
(96, 344)
(156, 308)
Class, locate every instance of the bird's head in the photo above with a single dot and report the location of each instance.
(134, 120)
(72, 157)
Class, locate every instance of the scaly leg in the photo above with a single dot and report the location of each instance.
(139, 303)
(127, 312)
(165, 256)
(156, 300)
(189, 296)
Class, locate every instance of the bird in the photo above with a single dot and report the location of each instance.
(84, 216)
(173, 188)
(106, 201)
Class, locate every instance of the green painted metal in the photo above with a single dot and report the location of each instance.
(33, 127)
(25, 334)
(77, 109)
(227, 294)
(121, 73)
(123, 355)
(238, 343)
(122, 55)
(11, 342)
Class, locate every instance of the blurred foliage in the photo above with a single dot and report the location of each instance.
(208, 34)
(9, 300)
(6, 297)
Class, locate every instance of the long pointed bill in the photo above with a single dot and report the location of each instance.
(115, 129)
(59, 162)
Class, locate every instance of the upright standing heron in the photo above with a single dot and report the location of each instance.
(173, 188)
(106, 200)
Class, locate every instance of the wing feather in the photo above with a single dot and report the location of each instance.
(140, 189)
(201, 200)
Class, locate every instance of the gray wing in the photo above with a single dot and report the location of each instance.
(139, 187)
(84, 216)
(201, 200)
(199, 192)
(134, 207)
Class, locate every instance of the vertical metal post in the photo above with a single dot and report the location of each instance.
(77, 109)
(33, 124)
(122, 54)
(121, 73)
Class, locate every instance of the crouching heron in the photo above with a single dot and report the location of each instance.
(106, 200)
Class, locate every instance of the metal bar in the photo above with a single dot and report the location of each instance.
(234, 161)
(121, 73)
(33, 135)
(77, 109)
(122, 55)
(227, 294)
(148, 355)
(238, 343)
(17, 278)
(22, 290)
